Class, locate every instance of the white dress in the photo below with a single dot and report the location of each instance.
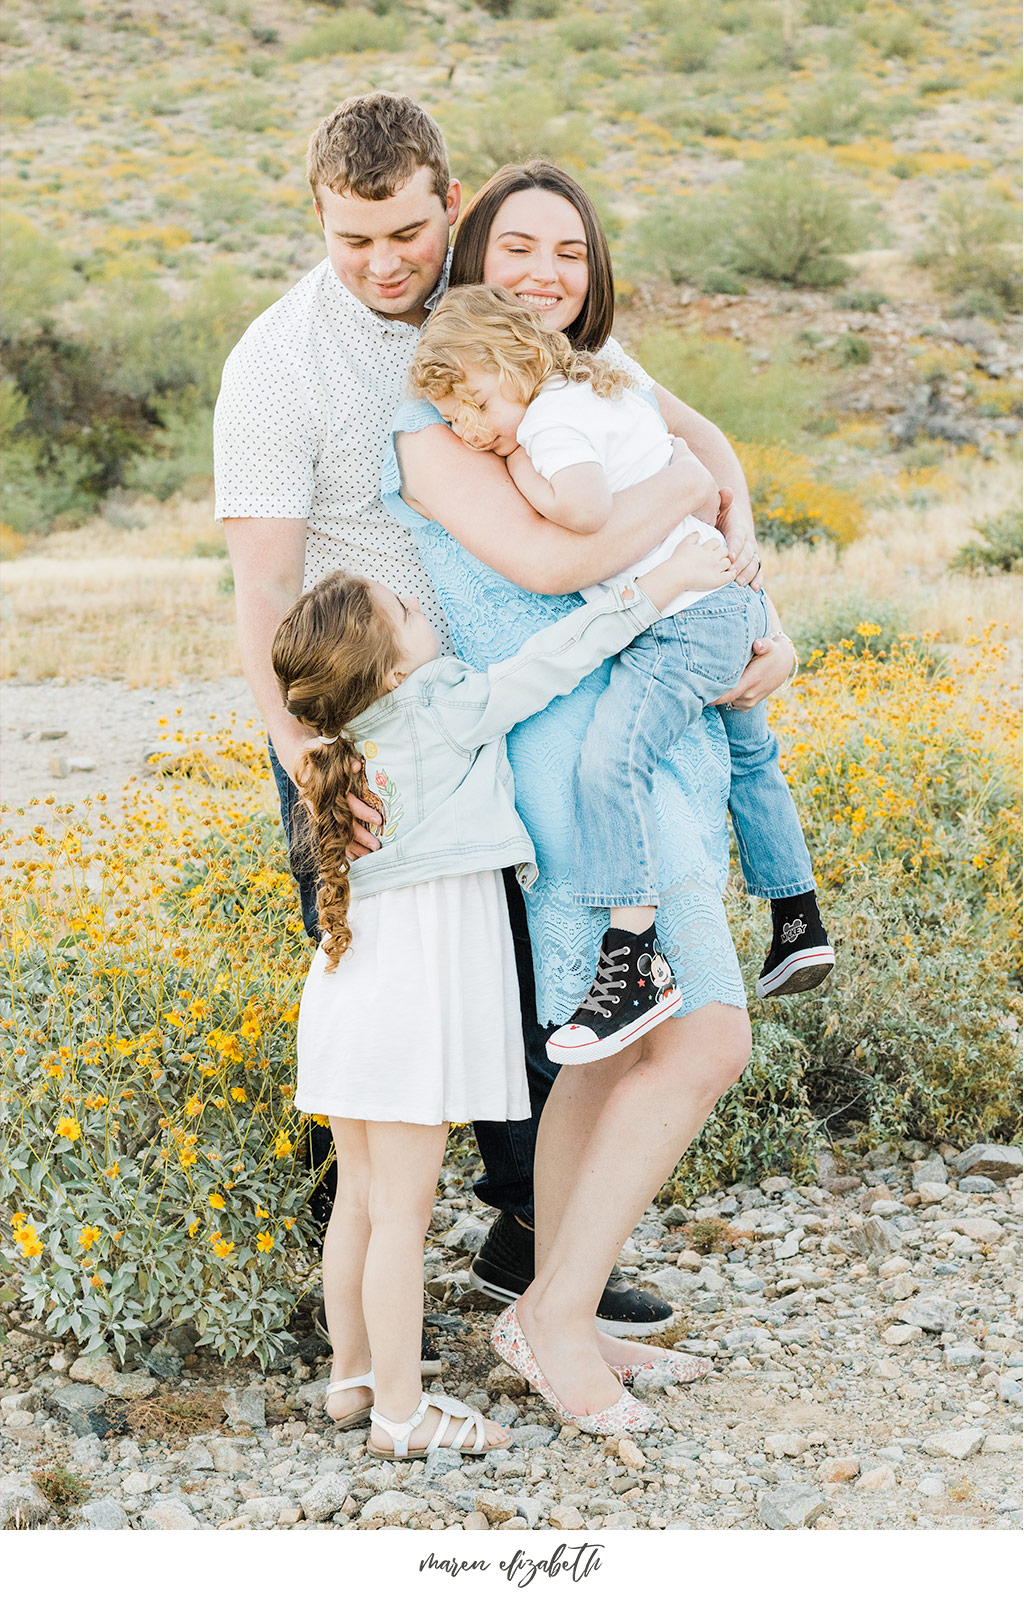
(420, 1021)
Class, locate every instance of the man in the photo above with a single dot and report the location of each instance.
(302, 421)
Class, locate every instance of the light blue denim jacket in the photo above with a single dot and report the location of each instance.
(436, 770)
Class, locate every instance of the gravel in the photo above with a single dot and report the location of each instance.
(833, 1404)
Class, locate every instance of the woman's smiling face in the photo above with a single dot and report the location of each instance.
(537, 249)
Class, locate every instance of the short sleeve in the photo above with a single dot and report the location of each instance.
(551, 446)
(266, 437)
(613, 352)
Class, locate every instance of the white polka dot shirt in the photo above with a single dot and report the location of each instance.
(302, 422)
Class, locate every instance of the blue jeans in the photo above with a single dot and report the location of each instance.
(658, 686)
(507, 1148)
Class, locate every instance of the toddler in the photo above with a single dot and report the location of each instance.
(573, 431)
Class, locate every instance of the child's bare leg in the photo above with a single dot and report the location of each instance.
(634, 919)
(405, 1159)
(344, 1258)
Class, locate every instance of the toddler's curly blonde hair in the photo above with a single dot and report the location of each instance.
(491, 330)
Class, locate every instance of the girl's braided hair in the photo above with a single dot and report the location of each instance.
(333, 655)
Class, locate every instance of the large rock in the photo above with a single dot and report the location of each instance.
(877, 1239)
(670, 1282)
(504, 1380)
(163, 1360)
(88, 1410)
(468, 1233)
(226, 1456)
(103, 1514)
(989, 1161)
(929, 1312)
(327, 1495)
(877, 1478)
(957, 1444)
(984, 1230)
(314, 1393)
(791, 1505)
(248, 1409)
(497, 1508)
(169, 1516)
(931, 1171)
(393, 1508)
(22, 1505)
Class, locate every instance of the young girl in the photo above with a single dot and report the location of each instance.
(410, 1015)
(572, 432)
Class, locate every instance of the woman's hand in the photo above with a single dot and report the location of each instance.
(767, 670)
(738, 527)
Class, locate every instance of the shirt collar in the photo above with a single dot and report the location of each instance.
(372, 319)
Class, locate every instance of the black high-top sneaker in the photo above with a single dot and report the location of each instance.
(633, 991)
(800, 957)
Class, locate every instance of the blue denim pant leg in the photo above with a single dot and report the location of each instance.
(300, 854)
(507, 1148)
(658, 686)
(773, 854)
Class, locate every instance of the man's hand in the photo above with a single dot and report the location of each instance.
(766, 671)
(738, 527)
(290, 751)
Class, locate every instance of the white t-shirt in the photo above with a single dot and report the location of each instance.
(568, 424)
(302, 423)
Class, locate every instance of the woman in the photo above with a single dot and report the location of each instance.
(612, 1132)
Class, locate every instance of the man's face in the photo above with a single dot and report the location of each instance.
(389, 253)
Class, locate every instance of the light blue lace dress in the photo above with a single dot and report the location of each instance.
(490, 618)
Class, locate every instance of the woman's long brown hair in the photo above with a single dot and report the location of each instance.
(333, 655)
(594, 323)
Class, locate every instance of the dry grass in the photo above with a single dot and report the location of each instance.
(175, 1417)
(148, 603)
(905, 558)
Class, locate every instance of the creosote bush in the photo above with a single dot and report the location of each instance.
(999, 549)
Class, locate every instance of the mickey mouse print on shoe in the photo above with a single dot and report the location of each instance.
(632, 992)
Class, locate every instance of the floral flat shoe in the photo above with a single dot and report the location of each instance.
(626, 1416)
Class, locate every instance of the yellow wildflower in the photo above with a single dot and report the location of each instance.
(216, 1201)
(88, 1237)
(282, 1145)
(239, 1095)
(223, 1247)
(67, 1128)
(264, 1242)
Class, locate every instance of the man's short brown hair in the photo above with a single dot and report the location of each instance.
(373, 143)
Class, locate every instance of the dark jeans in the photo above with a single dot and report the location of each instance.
(507, 1148)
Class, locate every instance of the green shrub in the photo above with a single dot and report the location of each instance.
(839, 112)
(156, 97)
(150, 1148)
(689, 48)
(716, 378)
(249, 110)
(512, 125)
(587, 32)
(815, 632)
(830, 13)
(793, 226)
(861, 300)
(35, 275)
(999, 549)
(35, 92)
(537, 9)
(971, 248)
(779, 221)
(124, 378)
(348, 34)
(852, 351)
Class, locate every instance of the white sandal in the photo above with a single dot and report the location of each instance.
(401, 1432)
(364, 1381)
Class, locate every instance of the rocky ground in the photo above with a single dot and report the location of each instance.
(88, 737)
(867, 1374)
